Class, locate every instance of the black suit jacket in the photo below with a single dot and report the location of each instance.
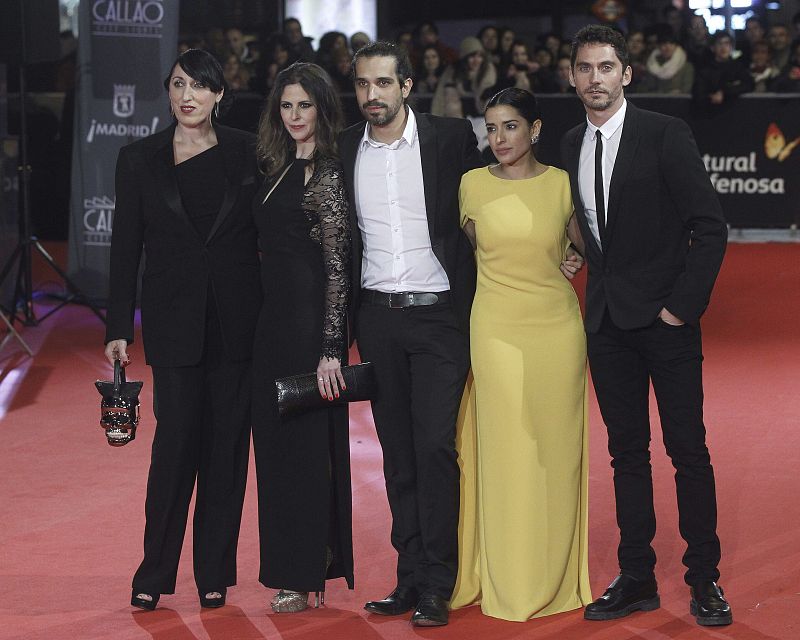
(180, 265)
(448, 149)
(665, 232)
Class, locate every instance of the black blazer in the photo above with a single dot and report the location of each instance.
(180, 265)
(448, 149)
(665, 232)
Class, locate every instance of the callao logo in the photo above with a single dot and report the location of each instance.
(134, 18)
(98, 220)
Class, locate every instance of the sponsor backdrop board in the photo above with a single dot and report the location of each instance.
(125, 49)
(751, 150)
(751, 155)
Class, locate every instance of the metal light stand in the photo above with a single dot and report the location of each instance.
(21, 257)
(13, 333)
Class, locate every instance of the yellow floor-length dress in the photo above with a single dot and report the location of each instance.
(522, 434)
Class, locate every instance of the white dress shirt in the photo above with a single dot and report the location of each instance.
(612, 133)
(390, 204)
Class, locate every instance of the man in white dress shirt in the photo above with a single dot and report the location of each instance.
(413, 283)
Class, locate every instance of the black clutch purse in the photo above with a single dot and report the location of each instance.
(119, 408)
(298, 394)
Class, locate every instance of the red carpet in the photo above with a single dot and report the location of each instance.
(71, 514)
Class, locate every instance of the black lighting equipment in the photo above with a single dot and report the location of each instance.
(28, 35)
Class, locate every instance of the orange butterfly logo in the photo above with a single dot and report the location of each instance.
(775, 145)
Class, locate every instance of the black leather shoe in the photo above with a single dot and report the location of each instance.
(709, 606)
(399, 601)
(624, 596)
(431, 611)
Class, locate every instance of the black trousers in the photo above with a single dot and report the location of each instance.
(202, 434)
(623, 364)
(421, 361)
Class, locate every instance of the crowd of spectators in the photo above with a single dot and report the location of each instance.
(677, 55)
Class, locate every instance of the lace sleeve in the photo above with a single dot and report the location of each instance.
(325, 194)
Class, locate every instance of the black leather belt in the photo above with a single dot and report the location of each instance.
(404, 299)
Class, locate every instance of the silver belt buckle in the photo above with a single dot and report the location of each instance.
(400, 305)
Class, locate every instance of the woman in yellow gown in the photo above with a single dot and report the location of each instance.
(522, 435)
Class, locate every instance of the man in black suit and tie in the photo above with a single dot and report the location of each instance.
(655, 238)
(413, 283)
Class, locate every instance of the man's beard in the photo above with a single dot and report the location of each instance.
(608, 98)
(381, 118)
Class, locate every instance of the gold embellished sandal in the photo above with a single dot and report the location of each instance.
(286, 601)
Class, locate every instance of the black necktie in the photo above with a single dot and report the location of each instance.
(599, 196)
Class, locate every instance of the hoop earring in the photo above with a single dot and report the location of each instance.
(535, 139)
(216, 110)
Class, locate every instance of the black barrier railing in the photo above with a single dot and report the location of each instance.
(751, 147)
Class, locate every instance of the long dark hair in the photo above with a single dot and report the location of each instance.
(204, 68)
(422, 70)
(275, 146)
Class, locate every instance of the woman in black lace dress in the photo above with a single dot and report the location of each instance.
(303, 463)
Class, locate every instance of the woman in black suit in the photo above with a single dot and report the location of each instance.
(185, 194)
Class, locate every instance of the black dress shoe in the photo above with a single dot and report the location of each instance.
(624, 596)
(709, 606)
(399, 601)
(431, 611)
